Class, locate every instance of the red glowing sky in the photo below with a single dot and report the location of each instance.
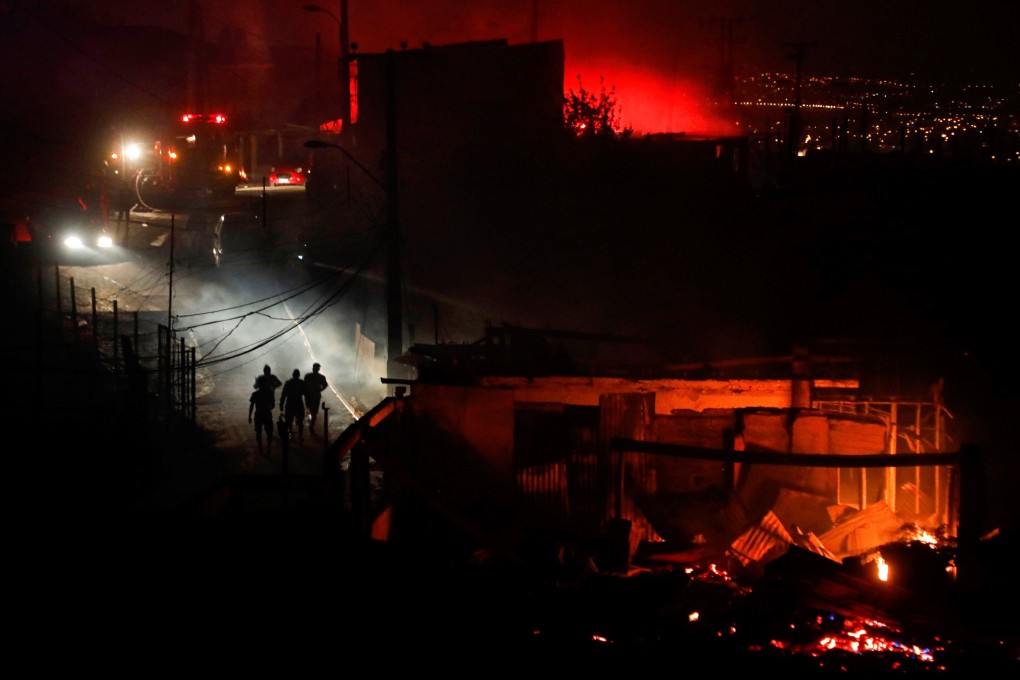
(659, 57)
(662, 56)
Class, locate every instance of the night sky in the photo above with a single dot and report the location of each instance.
(660, 55)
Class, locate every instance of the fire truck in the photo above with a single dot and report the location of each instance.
(188, 164)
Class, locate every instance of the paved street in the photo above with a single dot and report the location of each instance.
(236, 327)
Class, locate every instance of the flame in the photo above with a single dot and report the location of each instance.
(883, 568)
(923, 536)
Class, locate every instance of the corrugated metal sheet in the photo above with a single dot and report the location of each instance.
(626, 415)
(545, 486)
(586, 484)
(765, 540)
(570, 478)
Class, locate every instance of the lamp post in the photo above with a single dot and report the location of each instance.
(345, 74)
(394, 284)
(319, 144)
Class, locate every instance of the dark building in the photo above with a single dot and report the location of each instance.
(468, 117)
(453, 99)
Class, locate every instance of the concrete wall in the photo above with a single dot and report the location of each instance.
(670, 395)
(478, 423)
(481, 420)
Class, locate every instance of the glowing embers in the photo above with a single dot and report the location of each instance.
(829, 634)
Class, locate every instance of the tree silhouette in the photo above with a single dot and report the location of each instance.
(588, 114)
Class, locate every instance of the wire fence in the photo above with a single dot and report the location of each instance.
(128, 362)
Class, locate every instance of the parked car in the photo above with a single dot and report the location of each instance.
(287, 175)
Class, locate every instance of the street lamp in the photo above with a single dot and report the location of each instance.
(345, 74)
(394, 309)
(318, 144)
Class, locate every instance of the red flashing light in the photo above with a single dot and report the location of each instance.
(217, 118)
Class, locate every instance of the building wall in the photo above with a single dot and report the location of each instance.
(480, 420)
(670, 395)
(455, 97)
(544, 443)
(473, 122)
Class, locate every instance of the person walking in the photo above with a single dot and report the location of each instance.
(315, 383)
(292, 404)
(260, 410)
(267, 380)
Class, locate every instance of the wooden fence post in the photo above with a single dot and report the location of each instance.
(60, 306)
(116, 335)
(74, 313)
(95, 324)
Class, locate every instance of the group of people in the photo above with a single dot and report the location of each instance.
(298, 398)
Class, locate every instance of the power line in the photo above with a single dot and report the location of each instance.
(312, 311)
(82, 51)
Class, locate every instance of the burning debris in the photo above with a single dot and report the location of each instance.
(766, 520)
(777, 595)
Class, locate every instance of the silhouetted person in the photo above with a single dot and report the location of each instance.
(260, 405)
(267, 381)
(315, 383)
(292, 403)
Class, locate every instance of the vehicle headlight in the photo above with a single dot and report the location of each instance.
(74, 242)
(105, 241)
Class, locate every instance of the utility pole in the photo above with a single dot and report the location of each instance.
(724, 90)
(319, 116)
(394, 284)
(793, 139)
(170, 292)
(345, 69)
(198, 74)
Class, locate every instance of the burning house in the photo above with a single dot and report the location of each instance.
(584, 442)
(527, 447)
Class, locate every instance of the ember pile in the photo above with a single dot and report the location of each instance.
(896, 608)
